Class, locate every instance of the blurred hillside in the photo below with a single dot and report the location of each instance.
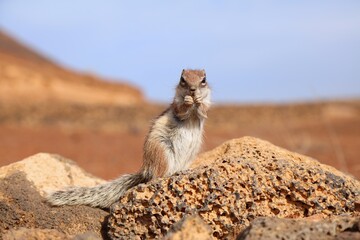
(101, 125)
(28, 77)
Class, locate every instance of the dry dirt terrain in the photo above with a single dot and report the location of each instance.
(107, 141)
(102, 125)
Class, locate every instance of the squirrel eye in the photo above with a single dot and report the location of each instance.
(203, 82)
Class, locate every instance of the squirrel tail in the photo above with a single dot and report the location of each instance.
(103, 195)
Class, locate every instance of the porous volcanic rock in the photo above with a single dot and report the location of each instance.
(190, 228)
(240, 180)
(22, 206)
(277, 228)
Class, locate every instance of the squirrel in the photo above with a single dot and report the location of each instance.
(173, 142)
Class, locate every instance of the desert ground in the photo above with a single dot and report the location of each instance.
(107, 141)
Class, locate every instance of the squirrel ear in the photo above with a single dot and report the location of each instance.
(183, 71)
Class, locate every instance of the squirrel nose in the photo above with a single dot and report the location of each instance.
(192, 89)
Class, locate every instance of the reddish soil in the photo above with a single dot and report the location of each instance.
(103, 154)
(108, 142)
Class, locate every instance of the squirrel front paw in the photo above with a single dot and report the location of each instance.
(188, 100)
(197, 99)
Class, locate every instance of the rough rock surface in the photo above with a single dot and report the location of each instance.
(190, 228)
(39, 234)
(22, 206)
(276, 228)
(50, 172)
(25, 233)
(240, 180)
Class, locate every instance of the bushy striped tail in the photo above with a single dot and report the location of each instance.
(103, 195)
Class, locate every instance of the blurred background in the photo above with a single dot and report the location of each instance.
(83, 79)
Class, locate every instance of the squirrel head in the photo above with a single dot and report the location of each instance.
(192, 82)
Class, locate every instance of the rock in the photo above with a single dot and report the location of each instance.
(49, 172)
(45, 234)
(88, 236)
(277, 228)
(39, 234)
(240, 180)
(190, 228)
(22, 205)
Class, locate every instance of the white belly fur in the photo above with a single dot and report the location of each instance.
(187, 140)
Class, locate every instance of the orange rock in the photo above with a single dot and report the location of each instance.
(240, 180)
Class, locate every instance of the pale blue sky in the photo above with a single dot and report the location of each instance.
(253, 51)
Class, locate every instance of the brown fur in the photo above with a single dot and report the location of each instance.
(154, 158)
(192, 76)
(182, 111)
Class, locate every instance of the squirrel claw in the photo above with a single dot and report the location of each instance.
(188, 100)
(197, 100)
